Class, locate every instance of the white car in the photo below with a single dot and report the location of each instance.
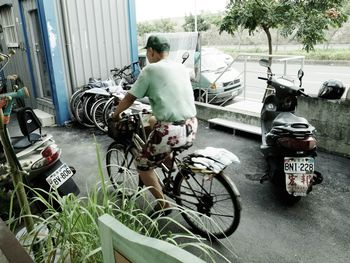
(218, 79)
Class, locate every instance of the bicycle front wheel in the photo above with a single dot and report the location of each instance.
(211, 196)
(121, 168)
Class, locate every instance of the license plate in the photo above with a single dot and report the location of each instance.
(58, 177)
(302, 165)
(298, 184)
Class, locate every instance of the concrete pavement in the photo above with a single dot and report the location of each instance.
(314, 230)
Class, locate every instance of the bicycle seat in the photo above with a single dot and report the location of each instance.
(183, 147)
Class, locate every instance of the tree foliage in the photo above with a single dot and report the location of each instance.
(202, 23)
(304, 20)
(145, 27)
(163, 26)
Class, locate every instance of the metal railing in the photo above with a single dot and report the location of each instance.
(246, 58)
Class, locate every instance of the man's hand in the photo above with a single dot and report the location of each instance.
(122, 106)
(115, 116)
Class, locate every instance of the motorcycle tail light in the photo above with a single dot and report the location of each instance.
(297, 144)
(49, 155)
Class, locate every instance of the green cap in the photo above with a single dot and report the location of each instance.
(158, 43)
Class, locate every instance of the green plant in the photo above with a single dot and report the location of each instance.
(306, 21)
(73, 231)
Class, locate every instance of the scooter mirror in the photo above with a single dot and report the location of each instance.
(300, 74)
(264, 62)
(185, 56)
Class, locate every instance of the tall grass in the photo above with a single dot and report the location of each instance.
(73, 234)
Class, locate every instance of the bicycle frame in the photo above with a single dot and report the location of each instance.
(140, 141)
(201, 189)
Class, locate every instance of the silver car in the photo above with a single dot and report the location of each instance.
(218, 82)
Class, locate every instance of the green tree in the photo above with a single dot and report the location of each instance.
(213, 19)
(304, 20)
(164, 26)
(202, 23)
(145, 27)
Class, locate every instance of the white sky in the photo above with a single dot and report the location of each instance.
(157, 9)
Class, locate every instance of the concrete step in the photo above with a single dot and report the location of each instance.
(249, 107)
(45, 118)
(235, 125)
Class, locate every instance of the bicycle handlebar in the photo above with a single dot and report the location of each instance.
(118, 71)
(6, 57)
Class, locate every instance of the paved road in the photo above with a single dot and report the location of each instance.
(314, 230)
(315, 75)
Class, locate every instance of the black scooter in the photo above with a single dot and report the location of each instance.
(288, 141)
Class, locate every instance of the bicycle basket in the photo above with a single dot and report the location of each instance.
(122, 131)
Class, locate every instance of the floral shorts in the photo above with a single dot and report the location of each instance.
(164, 137)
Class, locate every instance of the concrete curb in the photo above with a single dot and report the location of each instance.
(330, 118)
(309, 62)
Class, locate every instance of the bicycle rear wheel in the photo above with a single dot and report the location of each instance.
(88, 103)
(108, 109)
(79, 113)
(97, 114)
(121, 169)
(74, 99)
(210, 195)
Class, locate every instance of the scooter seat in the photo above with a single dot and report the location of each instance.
(24, 142)
(289, 119)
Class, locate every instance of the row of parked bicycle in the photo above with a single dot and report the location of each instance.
(91, 104)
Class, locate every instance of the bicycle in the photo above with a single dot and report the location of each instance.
(194, 187)
(129, 73)
(84, 99)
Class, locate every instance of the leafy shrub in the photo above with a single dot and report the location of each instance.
(73, 232)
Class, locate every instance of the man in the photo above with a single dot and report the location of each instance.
(168, 87)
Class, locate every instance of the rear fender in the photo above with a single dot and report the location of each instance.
(44, 139)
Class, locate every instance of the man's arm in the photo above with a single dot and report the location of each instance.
(123, 105)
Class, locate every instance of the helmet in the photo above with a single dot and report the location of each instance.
(331, 89)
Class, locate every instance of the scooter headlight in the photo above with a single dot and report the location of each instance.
(216, 85)
(271, 107)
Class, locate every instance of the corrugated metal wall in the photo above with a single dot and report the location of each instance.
(97, 37)
(18, 63)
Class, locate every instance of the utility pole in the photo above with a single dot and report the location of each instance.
(195, 16)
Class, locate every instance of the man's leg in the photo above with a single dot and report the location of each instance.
(150, 179)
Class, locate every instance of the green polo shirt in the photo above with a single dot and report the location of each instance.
(167, 85)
